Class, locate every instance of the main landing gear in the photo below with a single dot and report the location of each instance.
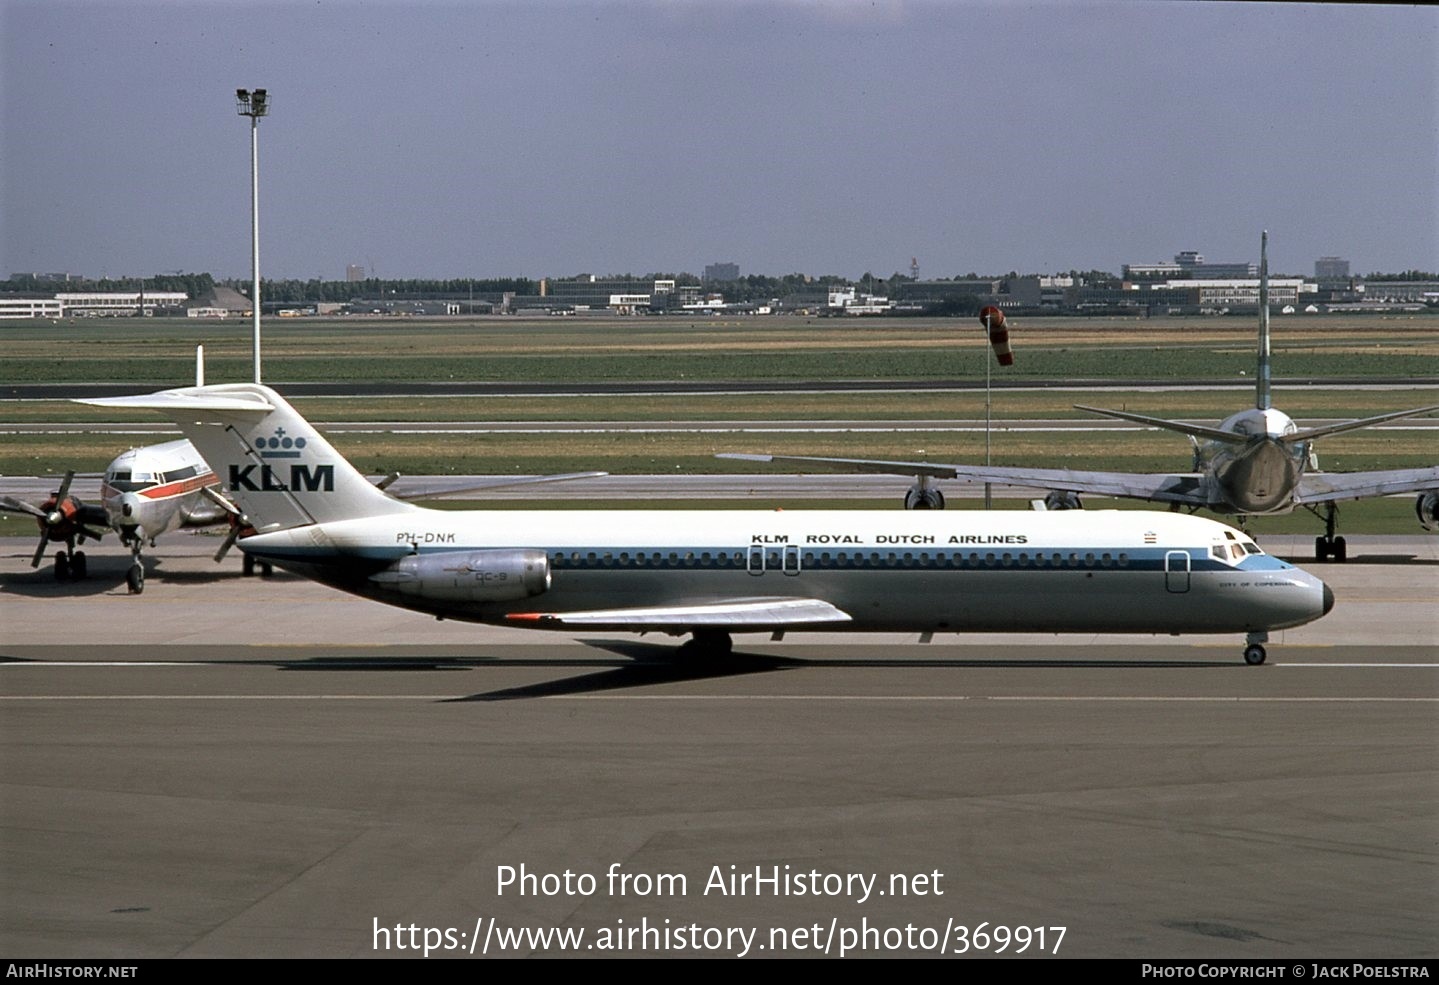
(1254, 653)
(707, 644)
(1328, 545)
(69, 565)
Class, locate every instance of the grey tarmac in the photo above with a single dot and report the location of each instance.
(256, 767)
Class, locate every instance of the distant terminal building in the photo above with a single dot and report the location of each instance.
(1244, 293)
(30, 306)
(1331, 268)
(354, 273)
(97, 303)
(621, 295)
(721, 272)
(1188, 265)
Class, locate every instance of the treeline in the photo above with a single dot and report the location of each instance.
(339, 291)
(1404, 275)
(195, 285)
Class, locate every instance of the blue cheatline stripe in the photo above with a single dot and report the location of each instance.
(711, 558)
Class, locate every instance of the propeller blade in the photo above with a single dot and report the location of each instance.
(40, 551)
(10, 505)
(209, 493)
(64, 488)
(229, 543)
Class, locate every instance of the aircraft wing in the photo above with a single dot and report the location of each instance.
(1324, 487)
(739, 614)
(409, 489)
(1186, 489)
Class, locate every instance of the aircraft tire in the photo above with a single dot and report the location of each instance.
(247, 566)
(1341, 552)
(707, 645)
(62, 566)
(1254, 654)
(77, 565)
(135, 579)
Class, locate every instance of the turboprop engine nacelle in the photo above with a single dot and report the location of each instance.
(1427, 507)
(469, 576)
(993, 320)
(922, 496)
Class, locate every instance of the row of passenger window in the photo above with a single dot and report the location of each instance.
(776, 560)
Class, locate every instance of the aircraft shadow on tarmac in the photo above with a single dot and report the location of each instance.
(1307, 561)
(107, 575)
(638, 665)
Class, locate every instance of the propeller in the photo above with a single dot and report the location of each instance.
(238, 520)
(51, 519)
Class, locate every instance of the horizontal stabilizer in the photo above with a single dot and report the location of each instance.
(1310, 434)
(1193, 430)
(741, 614)
(188, 398)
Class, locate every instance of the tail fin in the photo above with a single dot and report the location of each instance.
(274, 465)
(1262, 399)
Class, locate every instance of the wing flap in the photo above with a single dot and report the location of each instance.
(743, 614)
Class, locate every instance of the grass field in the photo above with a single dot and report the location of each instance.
(157, 352)
(160, 351)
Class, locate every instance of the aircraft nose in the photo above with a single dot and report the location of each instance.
(1328, 598)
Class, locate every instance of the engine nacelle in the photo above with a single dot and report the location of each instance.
(993, 321)
(1063, 499)
(469, 576)
(1427, 507)
(923, 497)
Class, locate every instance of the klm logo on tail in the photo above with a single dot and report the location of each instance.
(267, 478)
(280, 445)
(302, 478)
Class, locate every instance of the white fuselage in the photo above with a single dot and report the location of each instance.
(957, 571)
(154, 489)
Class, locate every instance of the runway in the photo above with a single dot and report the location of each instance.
(438, 388)
(262, 767)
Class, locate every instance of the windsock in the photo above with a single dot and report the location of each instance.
(993, 320)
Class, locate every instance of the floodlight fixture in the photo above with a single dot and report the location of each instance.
(252, 104)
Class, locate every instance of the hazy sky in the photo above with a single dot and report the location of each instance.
(554, 138)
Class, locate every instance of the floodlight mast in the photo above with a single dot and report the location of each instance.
(254, 105)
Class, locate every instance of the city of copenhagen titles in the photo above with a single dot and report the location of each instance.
(711, 573)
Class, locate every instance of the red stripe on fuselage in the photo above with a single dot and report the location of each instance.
(179, 488)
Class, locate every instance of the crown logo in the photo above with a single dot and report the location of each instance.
(280, 445)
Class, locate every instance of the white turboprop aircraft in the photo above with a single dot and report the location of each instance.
(713, 573)
(147, 492)
(152, 490)
(1252, 463)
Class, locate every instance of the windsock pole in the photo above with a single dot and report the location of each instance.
(994, 327)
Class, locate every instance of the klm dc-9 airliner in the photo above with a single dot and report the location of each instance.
(710, 574)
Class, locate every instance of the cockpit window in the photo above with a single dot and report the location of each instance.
(1233, 553)
(127, 481)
